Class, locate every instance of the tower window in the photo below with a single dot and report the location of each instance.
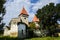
(24, 18)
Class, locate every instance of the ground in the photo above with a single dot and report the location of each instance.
(36, 38)
(45, 38)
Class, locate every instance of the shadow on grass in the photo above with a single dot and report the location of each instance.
(11, 38)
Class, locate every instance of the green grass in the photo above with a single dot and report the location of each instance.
(45, 38)
(37, 38)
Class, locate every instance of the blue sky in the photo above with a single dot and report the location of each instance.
(14, 7)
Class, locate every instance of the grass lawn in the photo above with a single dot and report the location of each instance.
(45, 38)
(37, 38)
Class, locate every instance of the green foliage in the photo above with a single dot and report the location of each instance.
(2, 13)
(32, 25)
(2, 9)
(49, 15)
(57, 9)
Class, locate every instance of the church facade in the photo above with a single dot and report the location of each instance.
(18, 26)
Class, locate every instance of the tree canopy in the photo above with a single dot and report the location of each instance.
(2, 13)
(32, 25)
(49, 15)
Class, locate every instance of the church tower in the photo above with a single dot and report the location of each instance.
(18, 26)
(24, 16)
(36, 20)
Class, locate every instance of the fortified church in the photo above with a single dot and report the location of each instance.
(18, 26)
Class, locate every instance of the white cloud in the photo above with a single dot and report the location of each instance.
(42, 3)
(31, 15)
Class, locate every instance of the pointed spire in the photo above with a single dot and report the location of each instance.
(35, 19)
(24, 11)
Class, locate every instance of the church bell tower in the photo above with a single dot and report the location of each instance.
(24, 16)
(36, 20)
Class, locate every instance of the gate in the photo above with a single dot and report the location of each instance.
(21, 30)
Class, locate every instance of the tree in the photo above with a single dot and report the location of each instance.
(2, 12)
(57, 9)
(32, 25)
(48, 16)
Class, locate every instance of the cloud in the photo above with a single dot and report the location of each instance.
(31, 15)
(42, 3)
(14, 7)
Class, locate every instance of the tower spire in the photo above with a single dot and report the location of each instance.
(35, 19)
(23, 11)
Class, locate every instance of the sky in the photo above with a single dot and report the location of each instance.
(14, 7)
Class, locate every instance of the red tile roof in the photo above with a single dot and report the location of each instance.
(24, 11)
(35, 19)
